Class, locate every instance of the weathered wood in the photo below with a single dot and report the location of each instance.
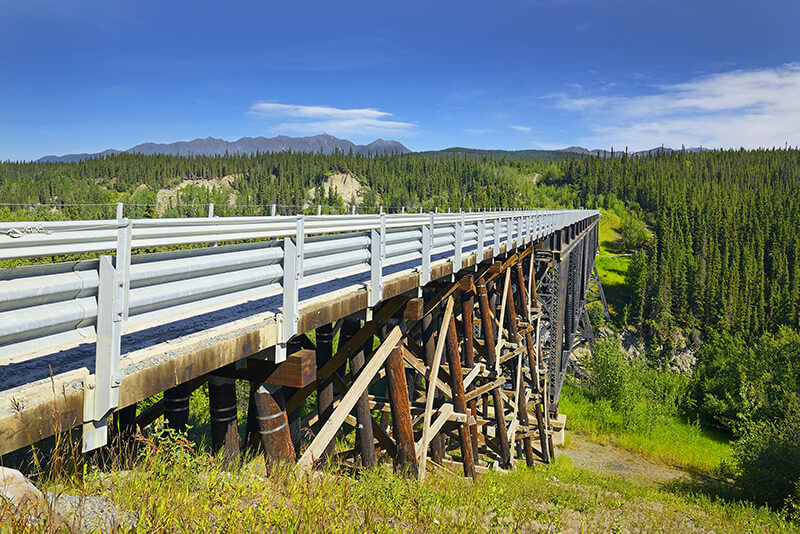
(429, 345)
(273, 425)
(468, 349)
(389, 308)
(324, 351)
(360, 384)
(489, 340)
(397, 388)
(364, 426)
(480, 391)
(459, 396)
(431, 393)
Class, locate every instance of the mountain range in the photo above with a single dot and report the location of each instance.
(640, 153)
(211, 146)
(328, 144)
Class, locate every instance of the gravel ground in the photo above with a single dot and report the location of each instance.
(607, 459)
(91, 514)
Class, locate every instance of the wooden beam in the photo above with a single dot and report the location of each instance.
(328, 430)
(432, 377)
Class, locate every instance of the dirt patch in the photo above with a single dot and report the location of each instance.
(168, 196)
(346, 185)
(610, 460)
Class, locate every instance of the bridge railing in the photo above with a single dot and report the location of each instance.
(67, 303)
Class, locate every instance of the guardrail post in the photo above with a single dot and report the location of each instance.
(427, 247)
(377, 257)
(497, 226)
(289, 317)
(300, 237)
(509, 233)
(481, 239)
(319, 209)
(101, 391)
(272, 210)
(459, 244)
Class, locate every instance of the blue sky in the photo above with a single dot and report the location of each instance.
(90, 75)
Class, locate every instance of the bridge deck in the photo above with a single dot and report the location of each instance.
(165, 350)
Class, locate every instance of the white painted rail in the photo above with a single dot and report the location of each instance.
(61, 302)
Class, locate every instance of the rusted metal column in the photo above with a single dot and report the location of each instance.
(459, 401)
(176, 406)
(366, 439)
(406, 459)
(468, 346)
(497, 396)
(429, 345)
(224, 424)
(273, 425)
(324, 335)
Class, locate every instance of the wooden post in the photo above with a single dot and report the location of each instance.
(497, 397)
(522, 407)
(366, 439)
(406, 458)
(468, 346)
(224, 424)
(459, 400)
(429, 345)
(296, 415)
(176, 407)
(273, 425)
(324, 335)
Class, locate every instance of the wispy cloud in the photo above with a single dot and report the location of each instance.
(336, 121)
(750, 108)
(526, 129)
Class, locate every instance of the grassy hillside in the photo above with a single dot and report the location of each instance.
(173, 489)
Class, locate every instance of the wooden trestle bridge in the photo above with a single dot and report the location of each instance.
(454, 331)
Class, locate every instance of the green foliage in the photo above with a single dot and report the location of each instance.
(643, 396)
(768, 457)
(725, 251)
(634, 232)
(258, 180)
(676, 440)
(736, 385)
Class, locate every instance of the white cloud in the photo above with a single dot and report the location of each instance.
(749, 108)
(335, 121)
(520, 128)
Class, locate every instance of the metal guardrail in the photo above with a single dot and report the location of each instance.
(63, 303)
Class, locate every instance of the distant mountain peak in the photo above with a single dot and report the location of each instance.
(212, 146)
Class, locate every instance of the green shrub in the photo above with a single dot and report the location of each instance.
(643, 396)
(768, 457)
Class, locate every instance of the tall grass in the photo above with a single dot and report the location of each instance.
(673, 439)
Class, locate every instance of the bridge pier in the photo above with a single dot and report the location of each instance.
(176, 407)
(224, 422)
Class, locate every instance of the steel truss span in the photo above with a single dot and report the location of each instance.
(488, 302)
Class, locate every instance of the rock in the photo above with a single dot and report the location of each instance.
(604, 332)
(631, 346)
(27, 499)
(18, 490)
(684, 360)
(92, 514)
